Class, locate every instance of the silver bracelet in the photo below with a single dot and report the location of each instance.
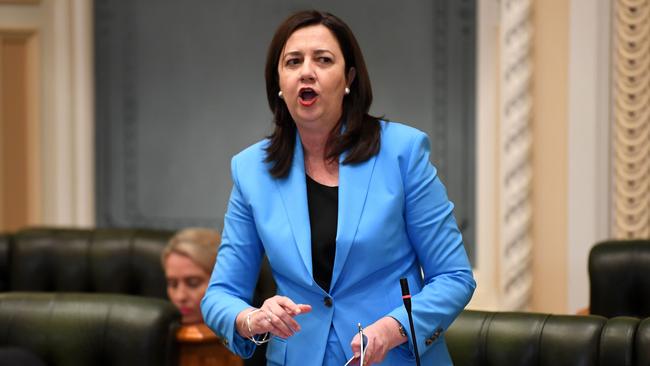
(252, 338)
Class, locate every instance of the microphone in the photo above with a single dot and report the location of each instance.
(406, 297)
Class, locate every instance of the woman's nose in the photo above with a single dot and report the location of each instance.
(181, 293)
(307, 72)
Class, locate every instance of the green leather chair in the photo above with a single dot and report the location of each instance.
(619, 278)
(77, 329)
(96, 261)
(125, 261)
(483, 338)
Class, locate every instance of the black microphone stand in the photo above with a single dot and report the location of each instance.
(406, 297)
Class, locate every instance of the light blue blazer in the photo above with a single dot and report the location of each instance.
(394, 221)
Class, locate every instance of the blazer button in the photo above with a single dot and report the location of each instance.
(428, 342)
(327, 301)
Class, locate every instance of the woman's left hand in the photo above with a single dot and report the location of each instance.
(383, 335)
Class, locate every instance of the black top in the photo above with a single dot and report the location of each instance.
(323, 202)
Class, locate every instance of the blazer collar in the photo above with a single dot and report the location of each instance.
(293, 190)
(354, 181)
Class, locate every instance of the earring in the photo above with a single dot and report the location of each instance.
(280, 94)
(347, 90)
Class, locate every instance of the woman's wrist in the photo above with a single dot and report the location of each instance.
(395, 331)
(242, 324)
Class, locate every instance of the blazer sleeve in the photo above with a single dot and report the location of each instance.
(438, 244)
(235, 273)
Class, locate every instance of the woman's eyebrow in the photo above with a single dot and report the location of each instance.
(292, 53)
(317, 52)
(320, 51)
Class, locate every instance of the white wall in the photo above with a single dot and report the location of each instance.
(588, 144)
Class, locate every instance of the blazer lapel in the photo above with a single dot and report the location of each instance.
(354, 182)
(293, 190)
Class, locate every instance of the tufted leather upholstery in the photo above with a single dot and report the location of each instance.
(125, 261)
(5, 245)
(90, 329)
(482, 338)
(619, 277)
(122, 261)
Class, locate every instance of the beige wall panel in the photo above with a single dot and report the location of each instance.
(551, 22)
(17, 94)
(20, 2)
(60, 165)
(589, 172)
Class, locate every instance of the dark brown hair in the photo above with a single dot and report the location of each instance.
(360, 138)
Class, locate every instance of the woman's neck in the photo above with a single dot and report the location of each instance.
(317, 166)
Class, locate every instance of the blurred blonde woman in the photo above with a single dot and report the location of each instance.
(188, 260)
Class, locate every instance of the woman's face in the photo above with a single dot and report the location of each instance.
(186, 285)
(312, 77)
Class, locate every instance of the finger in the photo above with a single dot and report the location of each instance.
(369, 358)
(304, 308)
(269, 326)
(356, 345)
(289, 306)
(263, 322)
(280, 327)
(376, 351)
(287, 318)
(277, 316)
(271, 308)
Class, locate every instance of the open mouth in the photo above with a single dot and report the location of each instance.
(307, 96)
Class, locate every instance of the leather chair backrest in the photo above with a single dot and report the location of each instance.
(617, 344)
(619, 278)
(123, 261)
(482, 338)
(66, 329)
(5, 246)
(643, 343)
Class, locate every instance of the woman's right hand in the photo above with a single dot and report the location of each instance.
(275, 316)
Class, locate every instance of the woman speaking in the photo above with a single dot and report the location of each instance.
(344, 205)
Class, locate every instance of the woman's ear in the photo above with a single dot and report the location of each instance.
(351, 74)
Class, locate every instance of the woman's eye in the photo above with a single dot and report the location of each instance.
(292, 62)
(325, 60)
(193, 282)
(172, 283)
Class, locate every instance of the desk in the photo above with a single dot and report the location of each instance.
(199, 346)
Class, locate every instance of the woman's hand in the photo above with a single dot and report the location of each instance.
(275, 316)
(383, 335)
